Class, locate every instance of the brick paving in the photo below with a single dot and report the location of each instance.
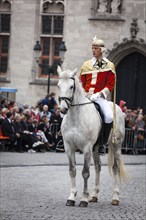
(36, 186)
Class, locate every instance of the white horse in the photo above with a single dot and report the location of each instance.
(80, 128)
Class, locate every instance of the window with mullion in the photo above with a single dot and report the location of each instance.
(45, 42)
(58, 25)
(55, 54)
(46, 24)
(52, 25)
(45, 46)
(4, 23)
(4, 42)
(4, 48)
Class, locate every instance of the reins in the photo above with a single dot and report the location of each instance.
(85, 103)
(70, 100)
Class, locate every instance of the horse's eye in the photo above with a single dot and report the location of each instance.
(71, 87)
(58, 86)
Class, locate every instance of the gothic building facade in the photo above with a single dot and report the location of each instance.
(120, 23)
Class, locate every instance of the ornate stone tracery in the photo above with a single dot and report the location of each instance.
(127, 46)
(6, 4)
(45, 4)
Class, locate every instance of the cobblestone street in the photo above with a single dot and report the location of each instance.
(36, 186)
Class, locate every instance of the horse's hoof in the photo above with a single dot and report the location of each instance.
(115, 202)
(70, 203)
(83, 204)
(93, 199)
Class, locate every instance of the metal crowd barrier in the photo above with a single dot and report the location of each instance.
(54, 129)
(131, 144)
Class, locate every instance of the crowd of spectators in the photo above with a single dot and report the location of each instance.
(135, 124)
(37, 128)
(134, 118)
(31, 128)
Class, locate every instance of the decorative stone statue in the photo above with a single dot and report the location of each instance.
(102, 6)
(116, 6)
(108, 6)
(134, 28)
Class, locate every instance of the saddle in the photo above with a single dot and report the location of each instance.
(97, 106)
(100, 138)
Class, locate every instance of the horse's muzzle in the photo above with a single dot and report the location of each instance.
(63, 110)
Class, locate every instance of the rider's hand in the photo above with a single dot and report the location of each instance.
(95, 96)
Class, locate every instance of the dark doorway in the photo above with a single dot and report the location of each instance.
(131, 81)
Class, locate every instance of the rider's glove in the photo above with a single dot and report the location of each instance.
(102, 94)
(105, 93)
(95, 96)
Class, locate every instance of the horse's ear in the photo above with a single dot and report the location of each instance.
(74, 72)
(59, 71)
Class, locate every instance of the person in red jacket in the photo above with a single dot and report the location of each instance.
(98, 79)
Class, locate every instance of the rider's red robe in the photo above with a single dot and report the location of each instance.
(96, 77)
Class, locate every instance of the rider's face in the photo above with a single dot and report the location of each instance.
(96, 50)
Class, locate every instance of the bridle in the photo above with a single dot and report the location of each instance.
(66, 99)
(69, 100)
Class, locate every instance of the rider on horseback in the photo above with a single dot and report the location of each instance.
(98, 80)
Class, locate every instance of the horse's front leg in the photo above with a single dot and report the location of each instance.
(72, 173)
(86, 174)
(97, 167)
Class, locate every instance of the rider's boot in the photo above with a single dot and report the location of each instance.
(106, 133)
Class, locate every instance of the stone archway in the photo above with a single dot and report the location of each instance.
(129, 58)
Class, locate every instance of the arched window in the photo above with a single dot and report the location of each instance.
(52, 22)
(5, 19)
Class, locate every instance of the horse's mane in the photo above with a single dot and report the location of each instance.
(78, 82)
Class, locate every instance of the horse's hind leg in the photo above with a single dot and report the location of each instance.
(86, 174)
(72, 173)
(97, 167)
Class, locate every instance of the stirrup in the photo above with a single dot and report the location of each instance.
(102, 149)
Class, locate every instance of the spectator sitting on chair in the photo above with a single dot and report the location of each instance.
(44, 126)
(35, 113)
(8, 129)
(45, 112)
(32, 127)
(26, 137)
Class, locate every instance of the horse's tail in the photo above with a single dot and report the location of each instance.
(114, 158)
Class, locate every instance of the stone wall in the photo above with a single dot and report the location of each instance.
(81, 24)
(81, 27)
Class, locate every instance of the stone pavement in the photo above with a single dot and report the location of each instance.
(36, 186)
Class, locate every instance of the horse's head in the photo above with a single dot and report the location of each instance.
(66, 88)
